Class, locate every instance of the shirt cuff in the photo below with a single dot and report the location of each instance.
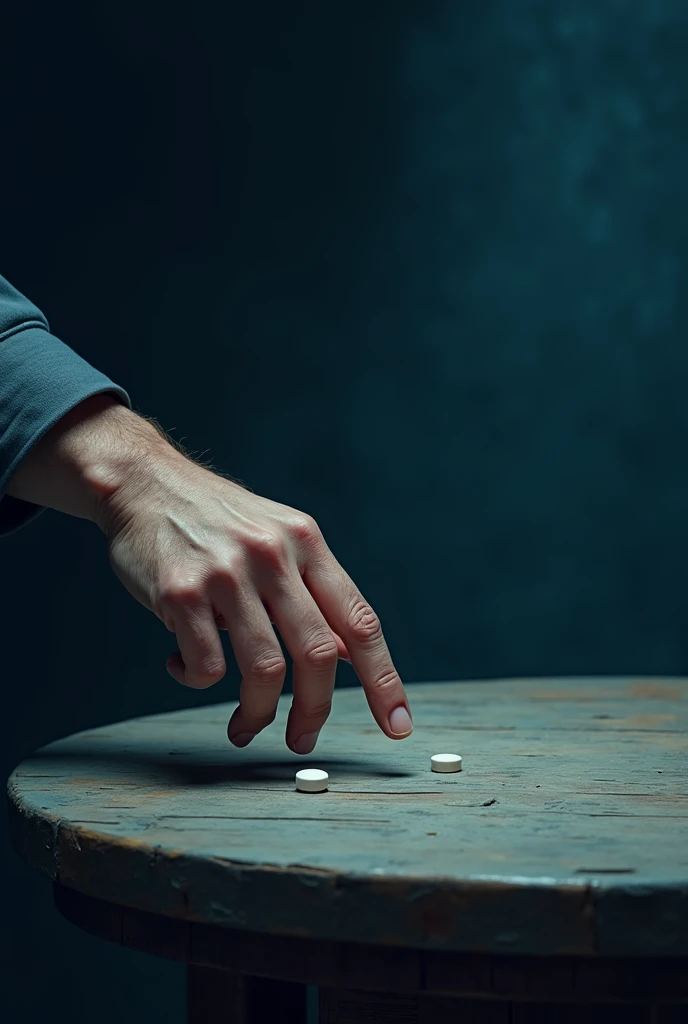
(41, 379)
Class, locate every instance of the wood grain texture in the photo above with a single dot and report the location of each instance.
(566, 833)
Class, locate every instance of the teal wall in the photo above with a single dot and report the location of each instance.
(417, 268)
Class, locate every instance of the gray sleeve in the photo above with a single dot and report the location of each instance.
(41, 379)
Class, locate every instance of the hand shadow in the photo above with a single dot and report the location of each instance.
(147, 764)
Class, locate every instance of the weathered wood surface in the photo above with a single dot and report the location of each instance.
(567, 831)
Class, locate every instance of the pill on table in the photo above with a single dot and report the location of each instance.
(312, 780)
(445, 762)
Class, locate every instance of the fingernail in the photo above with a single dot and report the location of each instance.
(304, 744)
(242, 739)
(400, 721)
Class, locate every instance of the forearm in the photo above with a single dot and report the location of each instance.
(86, 457)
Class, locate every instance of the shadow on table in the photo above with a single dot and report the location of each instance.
(182, 768)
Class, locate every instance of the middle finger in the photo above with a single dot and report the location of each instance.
(315, 654)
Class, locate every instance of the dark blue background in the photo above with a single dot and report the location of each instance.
(417, 267)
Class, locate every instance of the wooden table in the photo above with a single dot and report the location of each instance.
(548, 881)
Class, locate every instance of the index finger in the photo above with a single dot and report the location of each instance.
(349, 614)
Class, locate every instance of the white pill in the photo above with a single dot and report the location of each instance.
(312, 780)
(445, 762)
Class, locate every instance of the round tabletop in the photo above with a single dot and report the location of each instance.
(565, 833)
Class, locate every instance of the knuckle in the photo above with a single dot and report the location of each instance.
(305, 528)
(181, 592)
(363, 622)
(271, 547)
(319, 710)
(229, 574)
(322, 652)
(389, 680)
(268, 669)
(212, 670)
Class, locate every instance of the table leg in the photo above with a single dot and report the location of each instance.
(342, 1006)
(220, 997)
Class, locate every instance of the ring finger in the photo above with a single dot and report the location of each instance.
(261, 663)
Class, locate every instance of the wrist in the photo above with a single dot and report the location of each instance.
(121, 462)
(85, 458)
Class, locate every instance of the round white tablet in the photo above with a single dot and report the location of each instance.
(445, 762)
(312, 780)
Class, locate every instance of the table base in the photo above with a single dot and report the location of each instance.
(241, 977)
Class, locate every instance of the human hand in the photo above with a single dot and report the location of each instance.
(204, 553)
